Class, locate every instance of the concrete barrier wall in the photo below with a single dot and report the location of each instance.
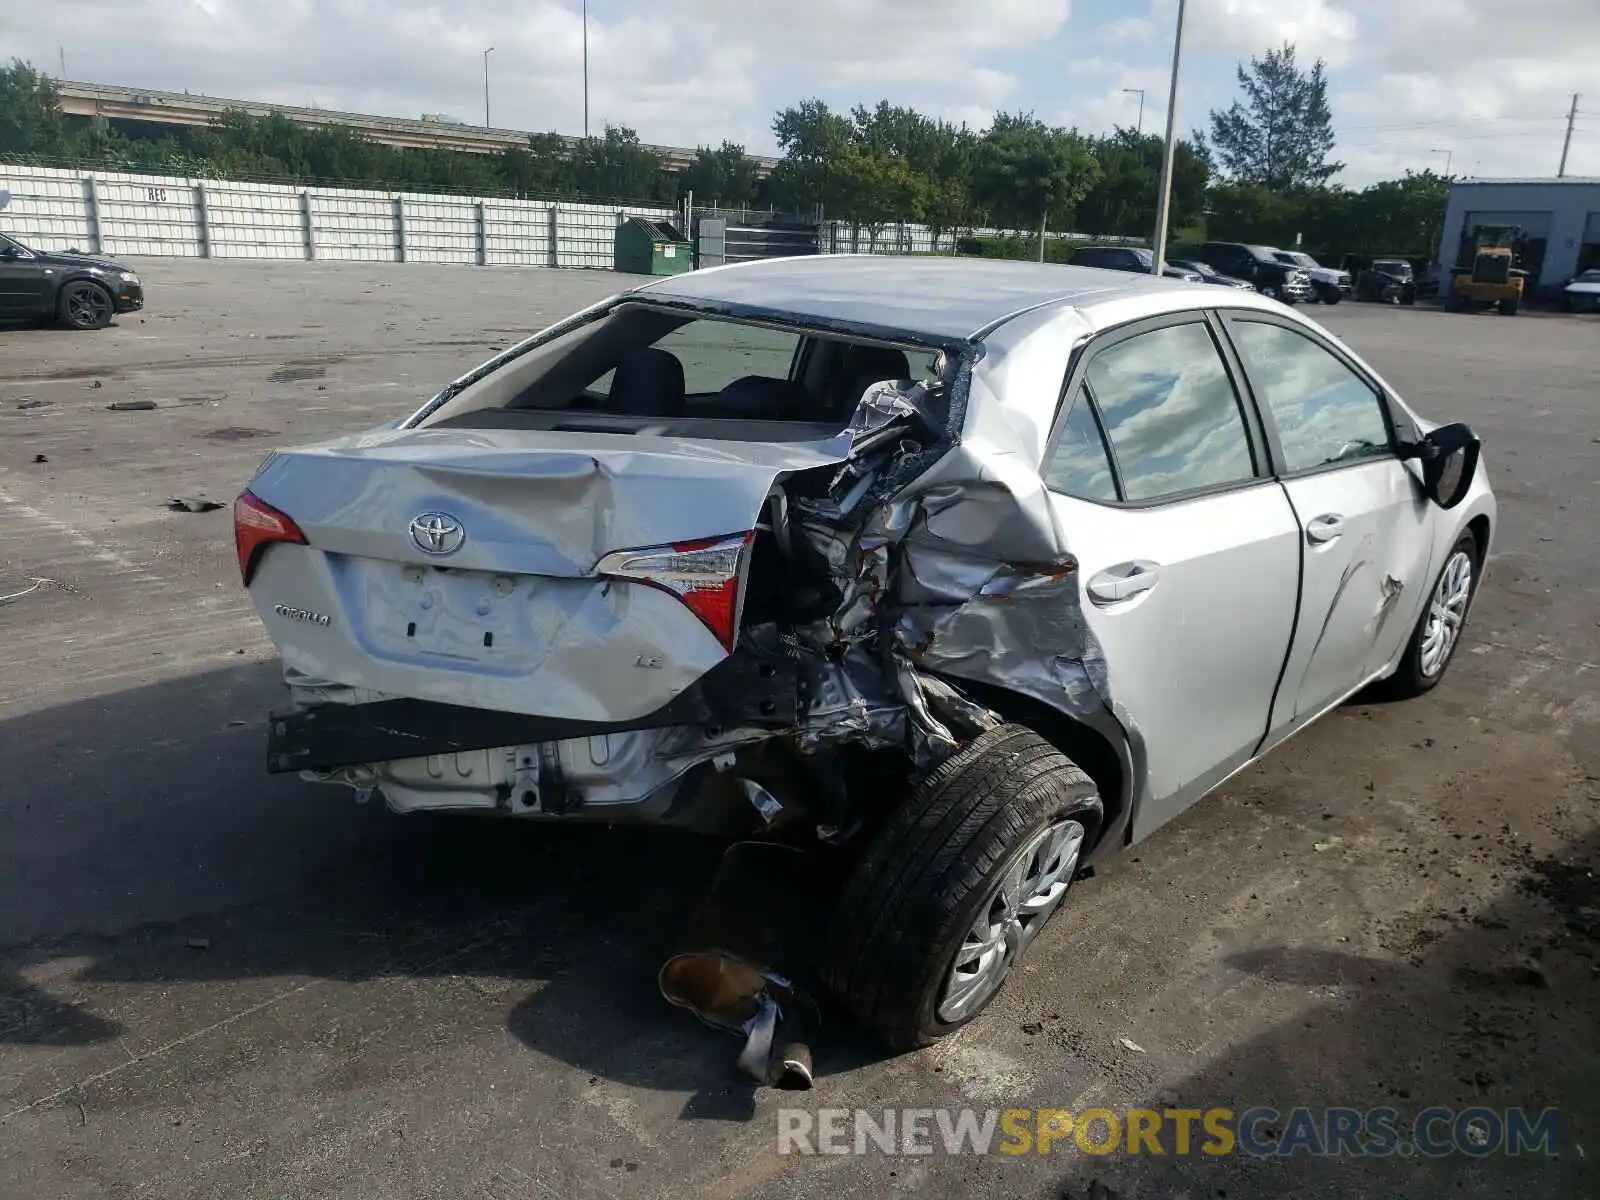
(153, 215)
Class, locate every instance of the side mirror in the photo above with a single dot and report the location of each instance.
(1449, 458)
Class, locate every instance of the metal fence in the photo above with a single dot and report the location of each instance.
(118, 213)
(122, 213)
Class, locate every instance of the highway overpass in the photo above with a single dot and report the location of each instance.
(185, 108)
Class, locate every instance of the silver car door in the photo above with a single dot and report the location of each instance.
(1188, 554)
(1362, 514)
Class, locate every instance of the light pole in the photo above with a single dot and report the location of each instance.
(486, 54)
(1449, 157)
(585, 70)
(1164, 198)
(1140, 93)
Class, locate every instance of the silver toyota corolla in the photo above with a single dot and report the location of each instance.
(978, 571)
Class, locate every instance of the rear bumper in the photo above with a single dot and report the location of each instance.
(747, 690)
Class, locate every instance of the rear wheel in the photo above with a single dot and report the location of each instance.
(1438, 633)
(1508, 308)
(958, 884)
(85, 306)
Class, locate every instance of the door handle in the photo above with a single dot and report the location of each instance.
(1324, 529)
(1123, 581)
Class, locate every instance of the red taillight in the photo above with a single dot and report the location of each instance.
(704, 574)
(256, 525)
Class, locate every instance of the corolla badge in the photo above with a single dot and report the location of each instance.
(437, 533)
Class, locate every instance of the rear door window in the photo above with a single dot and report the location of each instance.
(1171, 413)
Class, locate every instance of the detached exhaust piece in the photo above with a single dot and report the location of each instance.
(761, 913)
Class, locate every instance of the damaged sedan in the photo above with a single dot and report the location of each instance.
(965, 573)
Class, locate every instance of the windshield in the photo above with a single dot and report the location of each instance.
(1588, 277)
(1392, 266)
(1296, 258)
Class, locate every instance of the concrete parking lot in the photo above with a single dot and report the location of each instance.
(218, 983)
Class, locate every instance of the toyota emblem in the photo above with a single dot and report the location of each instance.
(437, 533)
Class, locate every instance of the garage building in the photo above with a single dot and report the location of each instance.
(1557, 224)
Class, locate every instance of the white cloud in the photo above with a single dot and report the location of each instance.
(1486, 79)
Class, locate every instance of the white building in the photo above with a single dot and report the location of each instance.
(1559, 220)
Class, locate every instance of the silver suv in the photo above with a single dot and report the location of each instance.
(974, 571)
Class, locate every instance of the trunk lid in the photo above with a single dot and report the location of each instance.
(513, 618)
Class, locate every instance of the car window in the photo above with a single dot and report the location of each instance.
(1171, 413)
(1079, 465)
(715, 353)
(1324, 411)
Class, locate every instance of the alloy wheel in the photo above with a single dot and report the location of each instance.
(88, 308)
(1028, 891)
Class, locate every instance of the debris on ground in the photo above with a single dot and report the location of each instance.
(199, 943)
(1130, 1044)
(40, 458)
(36, 585)
(752, 930)
(31, 403)
(194, 504)
(130, 405)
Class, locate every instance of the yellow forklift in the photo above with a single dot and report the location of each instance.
(1495, 278)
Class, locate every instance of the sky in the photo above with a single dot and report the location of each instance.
(1479, 86)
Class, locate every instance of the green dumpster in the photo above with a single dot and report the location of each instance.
(652, 248)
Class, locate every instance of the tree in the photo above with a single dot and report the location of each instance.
(877, 188)
(618, 165)
(1281, 137)
(30, 112)
(814, 140)
(722, 176)
(1123, 201)
(1026, 173)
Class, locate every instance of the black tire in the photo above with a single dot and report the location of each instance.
(919, 887)
(1409, 679)
(1331, 296)
(1508, 308)
(1272, 292)
(84, 305)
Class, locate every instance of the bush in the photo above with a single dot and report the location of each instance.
(1056, 250)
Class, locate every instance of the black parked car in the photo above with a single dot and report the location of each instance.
(79, 290)
(1209, 274)
(1387, 281)
(1128, 258)
(1259, 267)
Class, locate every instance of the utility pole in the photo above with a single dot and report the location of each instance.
(62, 51)
(1139, 128)
(585, 70)
(486, 54)
(1572, 116)
(1449, 156)
(1164, 198)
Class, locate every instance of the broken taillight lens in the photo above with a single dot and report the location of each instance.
(703, 574)
(256, 525)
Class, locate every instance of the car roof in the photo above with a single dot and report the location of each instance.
(932, 296)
